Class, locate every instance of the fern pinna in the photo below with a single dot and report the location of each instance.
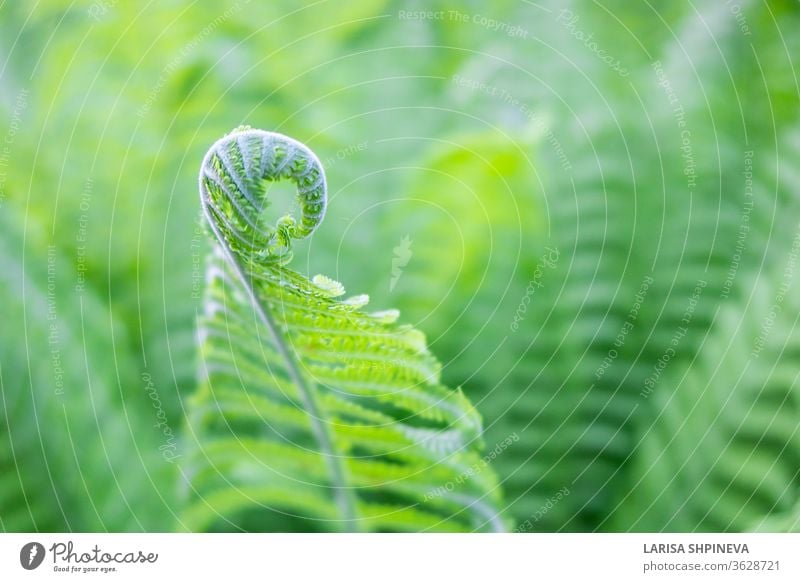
(313, 414)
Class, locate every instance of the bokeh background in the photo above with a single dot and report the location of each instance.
(591, 208)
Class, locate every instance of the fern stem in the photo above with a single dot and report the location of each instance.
(232, 167)
(492, 517)
(345, 501)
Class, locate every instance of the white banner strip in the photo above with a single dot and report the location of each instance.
(401, 557)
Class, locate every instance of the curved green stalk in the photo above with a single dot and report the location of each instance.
(313, 201)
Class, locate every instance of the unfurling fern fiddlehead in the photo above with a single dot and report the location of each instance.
(311, 413)
(233, 182)
(232, 196)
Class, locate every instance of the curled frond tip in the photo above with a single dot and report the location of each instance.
(234, 178)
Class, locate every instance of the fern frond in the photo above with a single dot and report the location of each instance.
(313, 413)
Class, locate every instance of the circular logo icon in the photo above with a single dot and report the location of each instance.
(31, 555)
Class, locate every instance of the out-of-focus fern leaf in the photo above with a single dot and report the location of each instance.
(641, 218)
(311, 412)
(72, 457)
(527, 358)
(720, 450)
(718, 432)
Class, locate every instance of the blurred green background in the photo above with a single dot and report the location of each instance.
(591, 208)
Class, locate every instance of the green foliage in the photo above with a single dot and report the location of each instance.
(311, 412)
(638, 222)
(459, 154)
(66, 436)
(719, 450)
